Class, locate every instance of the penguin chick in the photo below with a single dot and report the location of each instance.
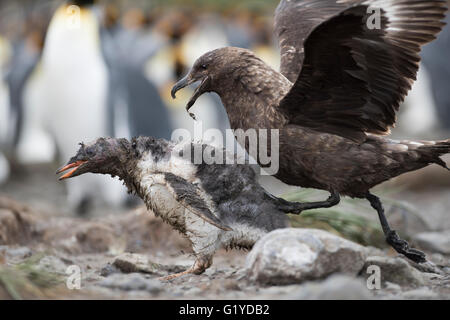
(212, 205)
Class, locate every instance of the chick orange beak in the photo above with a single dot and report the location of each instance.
(74, 166)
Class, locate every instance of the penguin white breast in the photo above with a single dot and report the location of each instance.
(4, 169)
(4, 93)
(35, 145)
(69, 46)
(4, 110)
(163, 204)
(204, 237)
(76, 79)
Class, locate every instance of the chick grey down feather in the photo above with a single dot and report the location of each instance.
(213, 205)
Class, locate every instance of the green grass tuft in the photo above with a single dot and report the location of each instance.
(345, 219)
(27, 279)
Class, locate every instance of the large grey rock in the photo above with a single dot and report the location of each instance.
(336, 287)
(439, 259)
(288, 256)
(405, 217)
(434, 241)
(396, 270)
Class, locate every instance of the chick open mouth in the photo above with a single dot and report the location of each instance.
(74, 166)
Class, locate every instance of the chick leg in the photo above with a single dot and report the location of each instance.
(392, 237)
(199, 266)
(298, 207)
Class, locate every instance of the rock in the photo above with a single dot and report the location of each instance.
(427, 267)
(293, 255)
(439, 259)
(131, 262)
(372, 251)
(406, 219)
(95, 238)
(132, 282)
(392, 287)
(395, 270)
(231, 284)
(15, 253)
(336, 287)
(8, 226)
(52, 264)
(420, 294)
(434, 241)
(108, 270)
(17, 222)
(432, 203)
(432, 279)
(15, 227)
(193, 292)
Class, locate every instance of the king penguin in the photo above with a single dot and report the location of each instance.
(190, 37)
(133, 44)
(5, 53)
(75, 95)
(32, 144)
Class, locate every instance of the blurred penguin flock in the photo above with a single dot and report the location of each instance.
(74, 71)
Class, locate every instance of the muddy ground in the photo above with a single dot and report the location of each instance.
(42, 237)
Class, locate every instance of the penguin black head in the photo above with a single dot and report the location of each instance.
(105, 155)
(116, 157)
